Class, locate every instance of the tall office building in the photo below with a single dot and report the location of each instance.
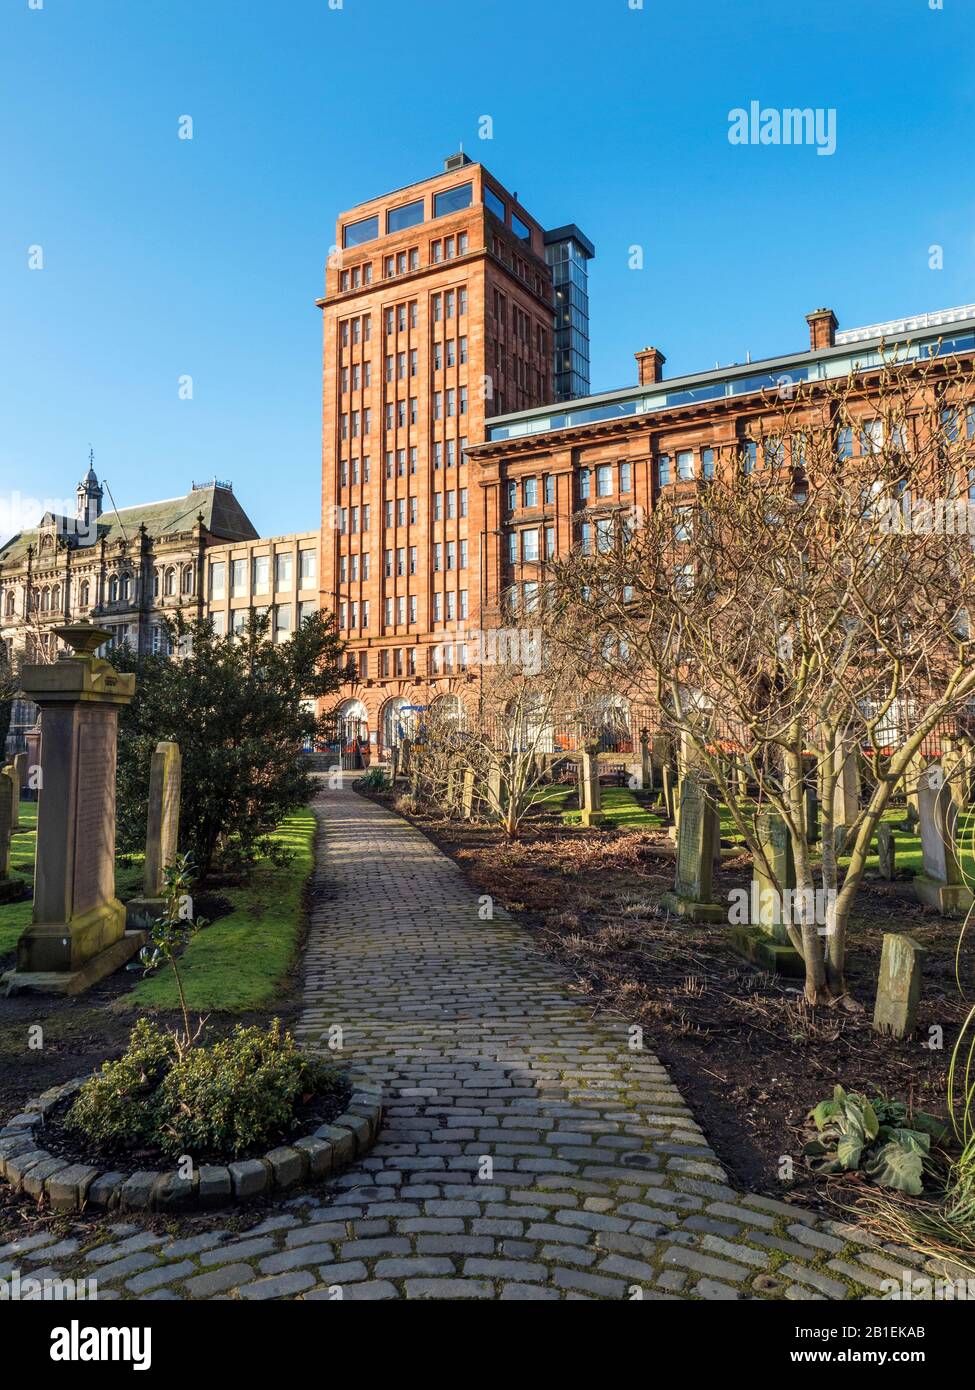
(568, 252)
(437, 314)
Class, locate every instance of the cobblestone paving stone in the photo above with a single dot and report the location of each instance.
(527, 1152)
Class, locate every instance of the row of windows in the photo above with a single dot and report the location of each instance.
(259, 573)
(399, 462)
(119, 589)
(281, 619)
(523, 545)
(407, 215)
(610, 480)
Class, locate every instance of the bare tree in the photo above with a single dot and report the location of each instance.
(809, 605)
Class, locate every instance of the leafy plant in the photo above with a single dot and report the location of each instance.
(880, 1137)
(116, 1105)
(226, 1098)
(374, 780)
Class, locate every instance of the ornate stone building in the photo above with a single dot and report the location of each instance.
(129, 570)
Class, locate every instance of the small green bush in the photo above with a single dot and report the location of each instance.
(116, 1106)
(225, 1098)
(374, 780)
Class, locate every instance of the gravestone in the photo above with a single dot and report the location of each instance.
(588, 779)
(764, 939)
(667, 786)
(5, 832)
(846, 787)
(493, 797)
(773, 835)
(939, 884)
(77, 933)
(162, 831)
(697, 839)
(467, 794)
(646, 760)
(899, 986)
(11, 785)
(33, 740)
(812, 816)
(885, 852)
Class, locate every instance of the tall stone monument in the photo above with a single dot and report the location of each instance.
(162, 831)
(77, 934)
(588, 775)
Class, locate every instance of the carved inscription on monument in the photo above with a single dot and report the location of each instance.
(94, 868)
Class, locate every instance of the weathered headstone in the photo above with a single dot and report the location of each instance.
(696, 841)
(885, 852)
(899, 986)
(779, 878)
(494, 789)
(812, 816)
(11, 785)
(646, 760)
(5, 832)
(33, 741)
(846, 788)
(667, 785)
(940, 883)
(588, 775)
(467, 794)
(162, 831)
(77, 933)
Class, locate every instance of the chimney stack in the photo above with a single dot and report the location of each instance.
(650, 365)
(822, 329)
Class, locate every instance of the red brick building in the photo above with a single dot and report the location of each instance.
(437, 315)
(560, 475)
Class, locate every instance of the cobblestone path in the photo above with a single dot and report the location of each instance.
(527, 1151)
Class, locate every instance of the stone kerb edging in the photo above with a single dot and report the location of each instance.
(65, 1186)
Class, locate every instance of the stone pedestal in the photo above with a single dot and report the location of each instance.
(646, 761)
(589, 799)
(77, 933)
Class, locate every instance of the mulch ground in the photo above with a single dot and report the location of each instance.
(747, 1052)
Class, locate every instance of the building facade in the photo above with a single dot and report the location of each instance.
(568, 253)
(553, 478)
(130, 570)
(438, 314)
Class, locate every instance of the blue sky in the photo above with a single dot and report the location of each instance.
(165, 257)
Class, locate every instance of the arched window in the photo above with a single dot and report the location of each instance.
(155, 583)
(45, 600)
(127, 587)
(10, 603)
(113, 589)
(169, 584)
(187, 579)
(56, 598)
(84, 594)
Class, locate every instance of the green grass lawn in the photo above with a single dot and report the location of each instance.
(620, 811)
(240, 961)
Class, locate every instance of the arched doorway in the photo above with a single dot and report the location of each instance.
(395, 723)
(350, 739)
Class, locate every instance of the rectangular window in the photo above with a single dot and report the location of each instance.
(663, 470)
(407, 215)
(282, 622)
(529, 545)
(749, 455)
(685, 465)
(218, 579)
(519, 228)
(306, 610)
(549, 542)
(262, 574)
(530, 492)
(584, 481)
(844, 442)
(238, 578)
(707, 463)
(626, 477)
(604, 480)
(452, 199)
(355, 233)
(282, 570)
(493, 203)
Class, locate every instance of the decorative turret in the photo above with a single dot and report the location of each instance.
(89, 496)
